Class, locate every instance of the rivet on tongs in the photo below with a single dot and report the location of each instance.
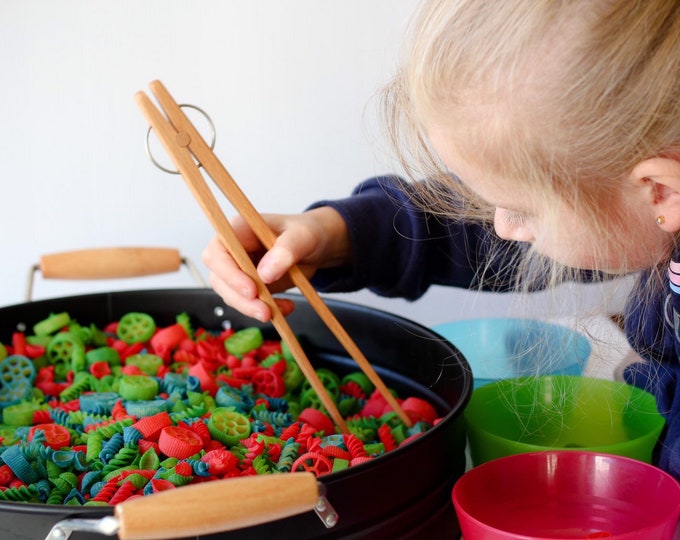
(181, 142)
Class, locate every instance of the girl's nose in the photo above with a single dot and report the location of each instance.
(512, 226)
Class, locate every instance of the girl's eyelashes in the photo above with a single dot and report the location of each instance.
(514, 219)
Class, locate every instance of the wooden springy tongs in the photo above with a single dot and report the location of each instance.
(187, 148)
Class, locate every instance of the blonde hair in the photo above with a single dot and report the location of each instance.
(579, 92)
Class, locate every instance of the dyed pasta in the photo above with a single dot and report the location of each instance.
(289, 454)
(126, 490)
(274, 418)
(65, 482)
(77, 388)
(74, 498)
(131, 435)
(177, 479)
(125, 456)
(55, 497)
(191, 412)
(89, 444)
(354, 446)
(95, 444)
(61, 417)
(111, 447)
(262, 464)
(109, 429)
(139, 481)
(199, 468)
(21, 493)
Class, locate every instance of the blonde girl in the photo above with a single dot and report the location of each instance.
(543, 143)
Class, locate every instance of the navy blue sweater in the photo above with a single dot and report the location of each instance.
(408, 250)
(399, 251)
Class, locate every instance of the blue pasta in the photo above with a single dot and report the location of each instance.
(35, 450)
(74, 498)
(111, 447)
(38, 436)
(131, 435)
(148, 488)
(174, 383)
(43, 489)
(336, 439)
(276, 419)
(146, 408)
(61, 417)
(99, 403)
(241, 400)
(277, 404)
(64, 458)
(199, 468)
(258, 426)
(193, 384)
(96, 487)
(90, 478)
(22, 432)
(14, 458)
(417, 428)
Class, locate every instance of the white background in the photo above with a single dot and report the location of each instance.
(289, 86)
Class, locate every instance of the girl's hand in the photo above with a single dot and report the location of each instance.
(312, 240)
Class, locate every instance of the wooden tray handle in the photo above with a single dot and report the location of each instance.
(217, 506)
(110, 263)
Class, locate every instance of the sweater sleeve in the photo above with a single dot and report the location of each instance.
(399, 250)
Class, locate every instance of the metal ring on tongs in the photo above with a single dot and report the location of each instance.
(213, 136)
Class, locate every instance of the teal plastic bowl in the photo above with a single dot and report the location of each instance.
(505, 348)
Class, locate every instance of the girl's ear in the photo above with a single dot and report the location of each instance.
(659, 178)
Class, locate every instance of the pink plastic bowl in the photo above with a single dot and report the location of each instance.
(566, 494)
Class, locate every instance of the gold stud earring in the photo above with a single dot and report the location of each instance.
(660, 220)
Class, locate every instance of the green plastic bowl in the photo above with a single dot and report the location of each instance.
(558, 412)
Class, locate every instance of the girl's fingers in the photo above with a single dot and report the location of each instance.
(297, 241)
(251, 307)
(295, 244)
(225, 272)
(275, 264)
(255, 308)
(236, 288)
